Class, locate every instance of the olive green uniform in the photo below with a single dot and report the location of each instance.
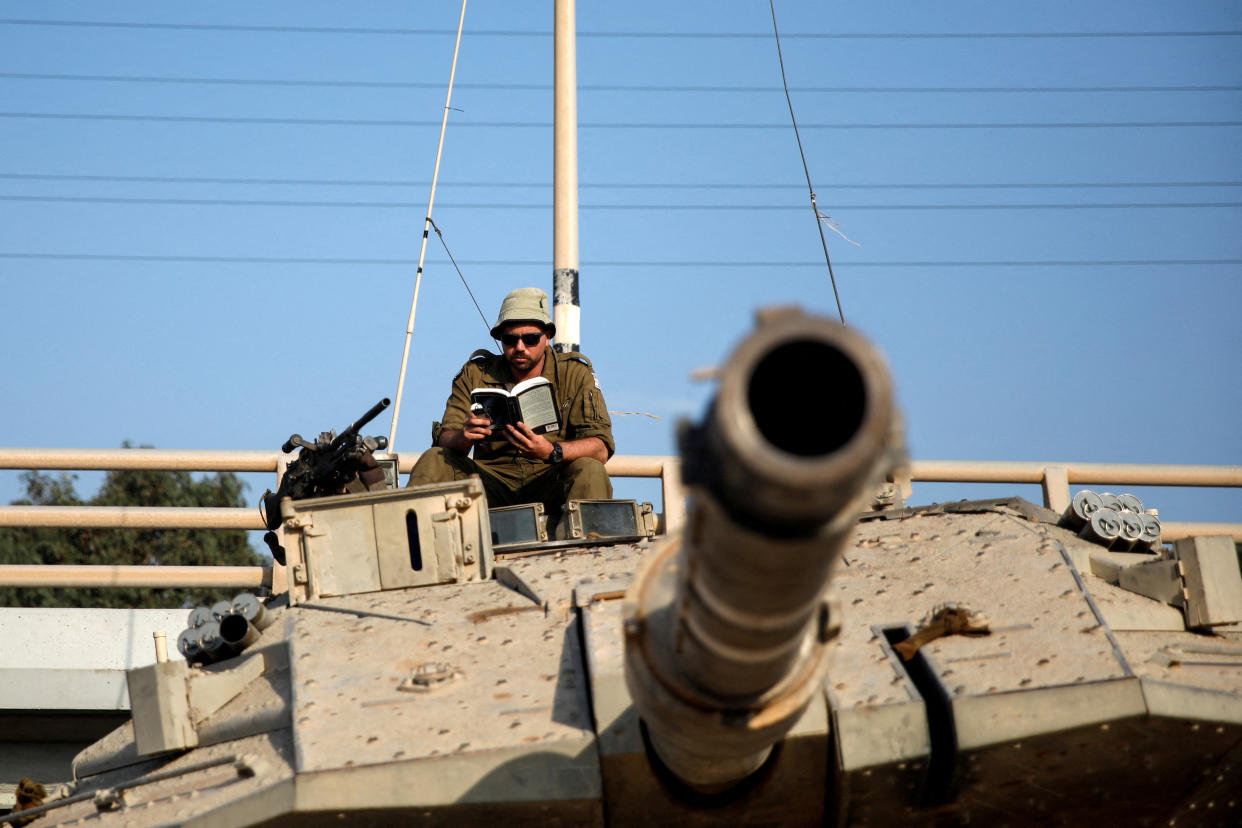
(508, 477)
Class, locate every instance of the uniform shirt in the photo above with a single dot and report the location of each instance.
(580, 404)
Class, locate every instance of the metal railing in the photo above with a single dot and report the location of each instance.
(1054, 478)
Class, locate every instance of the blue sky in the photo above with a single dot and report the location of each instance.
(211, 243)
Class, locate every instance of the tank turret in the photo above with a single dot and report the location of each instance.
(726, 625)
(994, 662)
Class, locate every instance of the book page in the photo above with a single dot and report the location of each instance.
(525, 385)
(539, 408)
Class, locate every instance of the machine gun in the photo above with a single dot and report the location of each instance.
(334, 464)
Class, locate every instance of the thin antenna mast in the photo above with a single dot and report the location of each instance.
(422, 252)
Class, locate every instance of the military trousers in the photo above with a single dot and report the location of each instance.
(582, 479)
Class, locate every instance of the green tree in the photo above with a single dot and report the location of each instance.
(169, 547)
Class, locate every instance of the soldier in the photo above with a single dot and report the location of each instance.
(516, 465)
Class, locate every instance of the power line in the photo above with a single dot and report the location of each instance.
(730, 263)
(604, 185)
(492, 205)
(617, 125)
(256, 81)
(401, 31)
(543, 87)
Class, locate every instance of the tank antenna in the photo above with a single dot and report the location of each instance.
(422, 252)
(819, 217)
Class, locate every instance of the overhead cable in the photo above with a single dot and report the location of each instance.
(544, 87)
(607, 185)
(609, 125)
(520, 33)
(491, 205)
(727, 263)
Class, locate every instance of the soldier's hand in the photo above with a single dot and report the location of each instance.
(529, 444)
(478, 427)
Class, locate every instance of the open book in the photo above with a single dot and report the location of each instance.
(531, 402)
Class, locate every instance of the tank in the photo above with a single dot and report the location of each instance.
(809, 649)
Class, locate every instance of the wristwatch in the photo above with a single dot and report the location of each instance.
(557, 455)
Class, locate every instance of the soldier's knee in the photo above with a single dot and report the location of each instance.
(588, 479)
(438, 465)
(435, 454)
(585, 465)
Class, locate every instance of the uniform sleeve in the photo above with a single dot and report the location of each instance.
(587, 412)
(457, 409)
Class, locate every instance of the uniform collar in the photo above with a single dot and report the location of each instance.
(503, 372)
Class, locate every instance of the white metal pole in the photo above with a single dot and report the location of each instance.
(566, 312)
(422, 252)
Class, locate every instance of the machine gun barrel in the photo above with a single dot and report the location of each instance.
(356, 425)
(727, 625)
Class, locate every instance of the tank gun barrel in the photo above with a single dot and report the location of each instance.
(727, 625)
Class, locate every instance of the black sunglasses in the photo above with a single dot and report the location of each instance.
(530, 340)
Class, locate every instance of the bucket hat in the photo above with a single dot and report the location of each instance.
(528, 304)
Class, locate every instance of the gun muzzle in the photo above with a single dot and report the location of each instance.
(237, 633)
(727, 625)
(357, 425)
